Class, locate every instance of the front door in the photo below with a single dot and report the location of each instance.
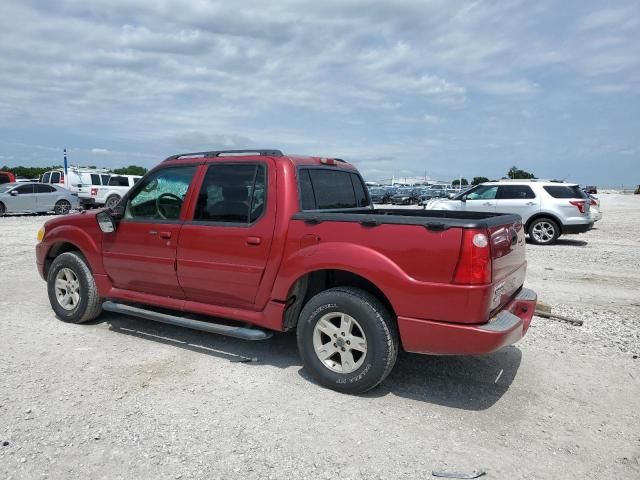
(481, 199)
(23, 200)
(140, 255)
(223, 250)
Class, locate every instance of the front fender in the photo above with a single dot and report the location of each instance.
(89, 245)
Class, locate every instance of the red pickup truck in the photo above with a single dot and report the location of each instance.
(273, 242)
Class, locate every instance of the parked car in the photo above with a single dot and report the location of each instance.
(381, 195)
(548, 209)
(591, 190)
(595, 212)
(427, 194)
(286, 243)
(110, 194)
(35, 198)
(24, 180)
(406, 196)
(7, 177)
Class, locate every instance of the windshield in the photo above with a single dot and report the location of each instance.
(6, 187)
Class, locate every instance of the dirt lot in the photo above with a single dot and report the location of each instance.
(126, 398)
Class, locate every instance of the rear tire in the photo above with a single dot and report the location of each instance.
(543, 231)
(62, 207)
(347, 339)
(112, 201)
(72, 290)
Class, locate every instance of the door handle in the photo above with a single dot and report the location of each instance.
(254, 240)
(165, 235)
(486, 204)
(530, 203)
(153, 232)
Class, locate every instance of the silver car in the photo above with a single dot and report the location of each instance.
(35, 197)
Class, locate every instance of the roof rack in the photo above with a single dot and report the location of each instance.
(221, 153)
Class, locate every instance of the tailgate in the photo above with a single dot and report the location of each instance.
(508, 261)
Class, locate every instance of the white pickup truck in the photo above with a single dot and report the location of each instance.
(109, 195)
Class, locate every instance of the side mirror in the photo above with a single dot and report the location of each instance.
(451, 195)
(13, 193)
(106, 222)
(117, 212)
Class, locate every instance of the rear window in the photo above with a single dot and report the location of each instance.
(565, 191)
(322, 189)
(55, 177)
(46, 177)
(119, 181)
(515, 192)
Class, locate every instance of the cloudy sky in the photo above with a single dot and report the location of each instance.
(401, 87)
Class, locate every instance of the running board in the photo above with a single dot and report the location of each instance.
(245, 333)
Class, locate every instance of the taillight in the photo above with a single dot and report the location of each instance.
(94, 192)
(579, 204)
(594, 202)
(474, 265)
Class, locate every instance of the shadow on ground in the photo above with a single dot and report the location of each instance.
(563, 242)
(463, 382)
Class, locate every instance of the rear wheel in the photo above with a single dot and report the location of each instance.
(62, 207)
(72, 290)
(543, 231)
(347, 339)
(112, 201)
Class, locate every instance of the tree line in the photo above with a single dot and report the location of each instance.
(514, 173)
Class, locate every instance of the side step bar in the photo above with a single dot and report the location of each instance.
(245, 333)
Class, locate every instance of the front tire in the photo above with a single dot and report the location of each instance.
(543, 231)
(347, 339)
(72, 290)
(3, 209)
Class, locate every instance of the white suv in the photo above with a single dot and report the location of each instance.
(118, 185)
(548, 209)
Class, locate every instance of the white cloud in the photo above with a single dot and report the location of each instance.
(99, 150)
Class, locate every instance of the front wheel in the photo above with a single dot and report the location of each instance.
(3, 209)
(347, 339)
(543, 231)
(72, 290)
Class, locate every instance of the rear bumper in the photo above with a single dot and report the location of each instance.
(573, 229)
(439, 338)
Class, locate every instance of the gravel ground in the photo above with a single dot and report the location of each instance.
(126, 398)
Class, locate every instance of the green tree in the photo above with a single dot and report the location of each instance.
(456, 182)
(130, 170)
(516, 174)
(479, 180)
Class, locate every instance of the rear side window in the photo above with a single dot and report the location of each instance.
(232, 194)
(119, 182)
(105, 179)
(55, 177)
(565, 191)
(95, 179)
(42, 188)
(515, 192)
(331, 189)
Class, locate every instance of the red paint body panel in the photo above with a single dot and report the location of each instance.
(245, 273)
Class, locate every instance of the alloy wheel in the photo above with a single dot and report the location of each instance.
(339, 342)
(67, 288)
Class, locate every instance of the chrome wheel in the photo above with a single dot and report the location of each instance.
(543, 232)
(67, 288)
(340, 342)
(112, 202)
(62, 207)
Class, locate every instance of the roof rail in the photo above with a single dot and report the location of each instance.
(220, 153)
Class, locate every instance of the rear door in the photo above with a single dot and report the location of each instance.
(481, 199)
(141, 254)
(46, 197)
(224, 247)
(518, 199)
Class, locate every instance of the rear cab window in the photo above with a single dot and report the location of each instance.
(329, 189)
(565, 191)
